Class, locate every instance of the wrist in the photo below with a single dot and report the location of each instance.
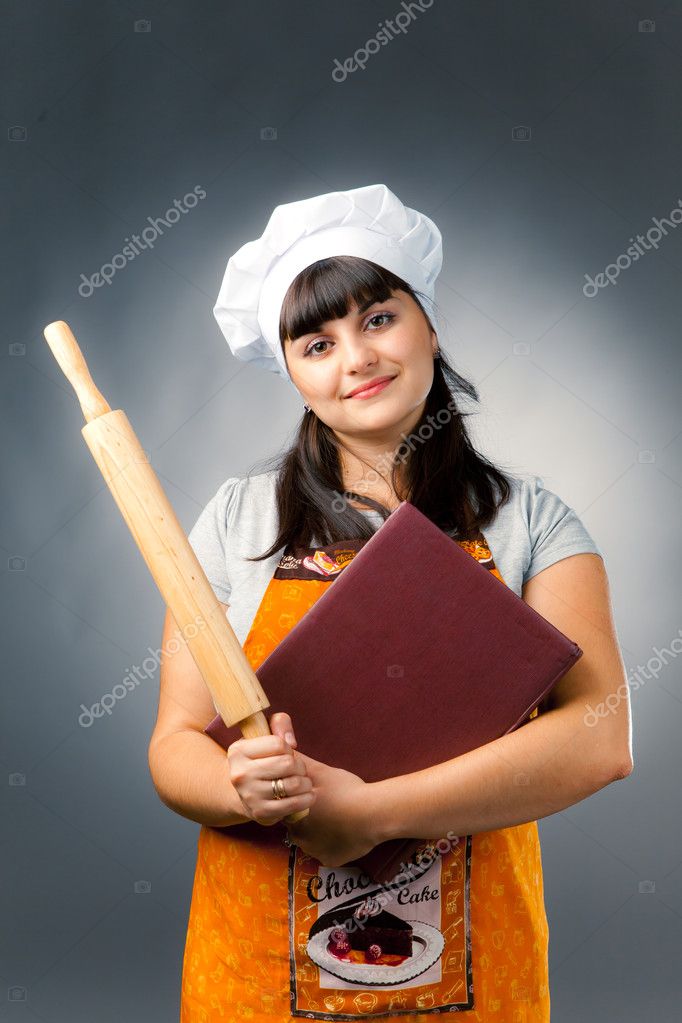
(381, 819)
(233, 810)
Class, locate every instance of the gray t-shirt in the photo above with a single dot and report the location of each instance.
(531, 531)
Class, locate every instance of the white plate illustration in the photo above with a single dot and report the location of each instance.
(427, 947)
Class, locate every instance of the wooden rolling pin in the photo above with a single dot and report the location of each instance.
(234, 686)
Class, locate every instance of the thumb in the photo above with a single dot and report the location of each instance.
(281, 724)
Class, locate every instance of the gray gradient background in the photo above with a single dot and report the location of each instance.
(119, 124)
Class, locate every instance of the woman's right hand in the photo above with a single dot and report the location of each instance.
(253, 763)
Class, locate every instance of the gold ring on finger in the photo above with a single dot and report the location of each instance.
(278, 788)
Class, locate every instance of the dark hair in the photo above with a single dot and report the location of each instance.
(445, 477)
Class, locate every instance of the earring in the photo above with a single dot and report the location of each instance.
(306, 408)
(436, 354)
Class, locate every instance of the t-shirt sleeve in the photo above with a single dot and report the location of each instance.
(556, 531)
(208, 539)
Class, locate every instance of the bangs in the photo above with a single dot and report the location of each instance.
(326, 290)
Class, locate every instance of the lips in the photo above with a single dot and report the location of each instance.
(372, 386)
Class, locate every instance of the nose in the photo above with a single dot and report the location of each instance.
(358, 352)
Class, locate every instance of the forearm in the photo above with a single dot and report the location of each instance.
(191, 776)
(542, 767)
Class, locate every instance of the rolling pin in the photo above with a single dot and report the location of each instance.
(234, 686)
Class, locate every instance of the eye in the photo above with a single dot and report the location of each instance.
(321, 341)
(314, 345)
(378, 316)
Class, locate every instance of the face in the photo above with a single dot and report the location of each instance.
(387, 339)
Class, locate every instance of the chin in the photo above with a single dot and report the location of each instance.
(377, 419)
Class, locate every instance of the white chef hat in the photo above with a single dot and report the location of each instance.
(370, 222)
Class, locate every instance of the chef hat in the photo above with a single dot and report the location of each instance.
(370, 222)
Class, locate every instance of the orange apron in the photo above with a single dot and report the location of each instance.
(258, 945)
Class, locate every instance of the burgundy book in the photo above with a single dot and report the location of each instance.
(414, 654)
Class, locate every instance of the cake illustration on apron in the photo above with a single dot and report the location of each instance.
(274, 934)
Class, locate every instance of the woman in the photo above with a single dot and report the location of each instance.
(337, 297)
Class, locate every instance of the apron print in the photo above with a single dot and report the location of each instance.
(357, 949)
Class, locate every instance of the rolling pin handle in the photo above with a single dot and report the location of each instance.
(74, 367)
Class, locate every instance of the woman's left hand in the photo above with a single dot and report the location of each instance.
(337, 828)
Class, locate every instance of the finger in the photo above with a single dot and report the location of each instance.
(244, 772)
(293, 801)
(286, 766)
(281, 724)
(275, 810)
(260, 746)
(294, 785)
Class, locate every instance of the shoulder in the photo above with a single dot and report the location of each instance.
(534, 506)
(550, 517)
(239, 494)
(241, 512)
(514, 511)
(535, 528)
(218, 510)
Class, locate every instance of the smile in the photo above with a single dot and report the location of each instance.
(369, 392)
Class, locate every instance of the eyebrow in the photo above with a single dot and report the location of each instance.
(361, 309)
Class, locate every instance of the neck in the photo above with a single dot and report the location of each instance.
(367, 460)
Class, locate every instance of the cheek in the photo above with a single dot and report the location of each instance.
(319, 382)
(416, 360)
(418, 370)
(411, 347)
